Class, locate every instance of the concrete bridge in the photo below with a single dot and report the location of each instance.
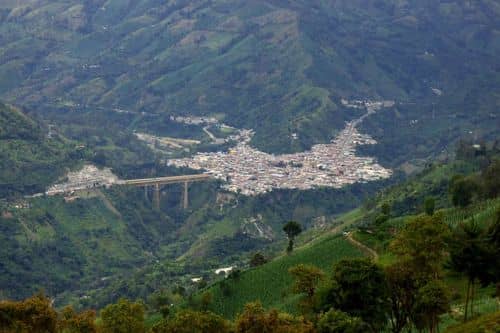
(155, 183)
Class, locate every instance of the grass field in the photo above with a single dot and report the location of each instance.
(270, 283)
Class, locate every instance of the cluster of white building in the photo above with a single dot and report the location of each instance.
(87, 178)
(249, 171)
(192, 120)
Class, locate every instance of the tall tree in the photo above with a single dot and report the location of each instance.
(254, 319)
(429, 205)
(34, 314)
(72, 322)
(432, 300)
(189, 321)
(491, 180)
(161, 303)
(359, 288)
(474, 251)
(462, 190)
(402, 292)
(257, 259)
(292, 230)
(307, 278)
(335, 321)
(386, 208)
(206, 300)
(123, 317)
(422, 245)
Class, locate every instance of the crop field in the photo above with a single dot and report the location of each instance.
(271, 283)
(481, 212)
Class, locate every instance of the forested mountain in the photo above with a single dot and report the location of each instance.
(29, 160)
(280, 67)
(140, 86)
(401, 262)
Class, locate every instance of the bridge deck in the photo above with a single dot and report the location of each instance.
(166, 180)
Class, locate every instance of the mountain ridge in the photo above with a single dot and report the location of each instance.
(279, 67)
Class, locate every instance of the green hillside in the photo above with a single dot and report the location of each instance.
(487, 323)
(16, 125)
(271, 283)
(28, 159)
(101, 245)
(109, 245)
(279, 67)
(103, 82)
(58, 247)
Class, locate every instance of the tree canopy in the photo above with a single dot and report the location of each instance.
(123, 317)
(360, 290)
(292, 229)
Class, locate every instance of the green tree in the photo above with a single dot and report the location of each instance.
(386, 209)
(292, 230)
(225, 288)
(384, 215)
(34, 314)
(335, 321)
(402, 287)
(491, 180)
(359, 288)
(462, 190)
(206, 300)
(254, 319)
(257, 260)
(429, 205)
(421, 245)
(307, 278)
(380, 219)
(72, 322)
(189, 321)
(475, 253)
(123, 317)
(161, 303)
(432, 300)
(202, 284)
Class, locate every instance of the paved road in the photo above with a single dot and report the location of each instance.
(351, 127)
(212, 137)
(166, 180)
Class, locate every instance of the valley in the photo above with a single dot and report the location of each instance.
(248, 171)
(251, 172)
(235, 166)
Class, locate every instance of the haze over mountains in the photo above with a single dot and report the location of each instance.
(278, 67)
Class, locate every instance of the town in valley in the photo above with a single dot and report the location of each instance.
(249, 171)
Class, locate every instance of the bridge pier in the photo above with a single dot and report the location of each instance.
(162, 181)
(185, 197)
(156, 197)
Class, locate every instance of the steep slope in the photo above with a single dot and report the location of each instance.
(29, 160)
(270, 284)
(98, 246)
(71, 248)
(90, 247)
(277, 66)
